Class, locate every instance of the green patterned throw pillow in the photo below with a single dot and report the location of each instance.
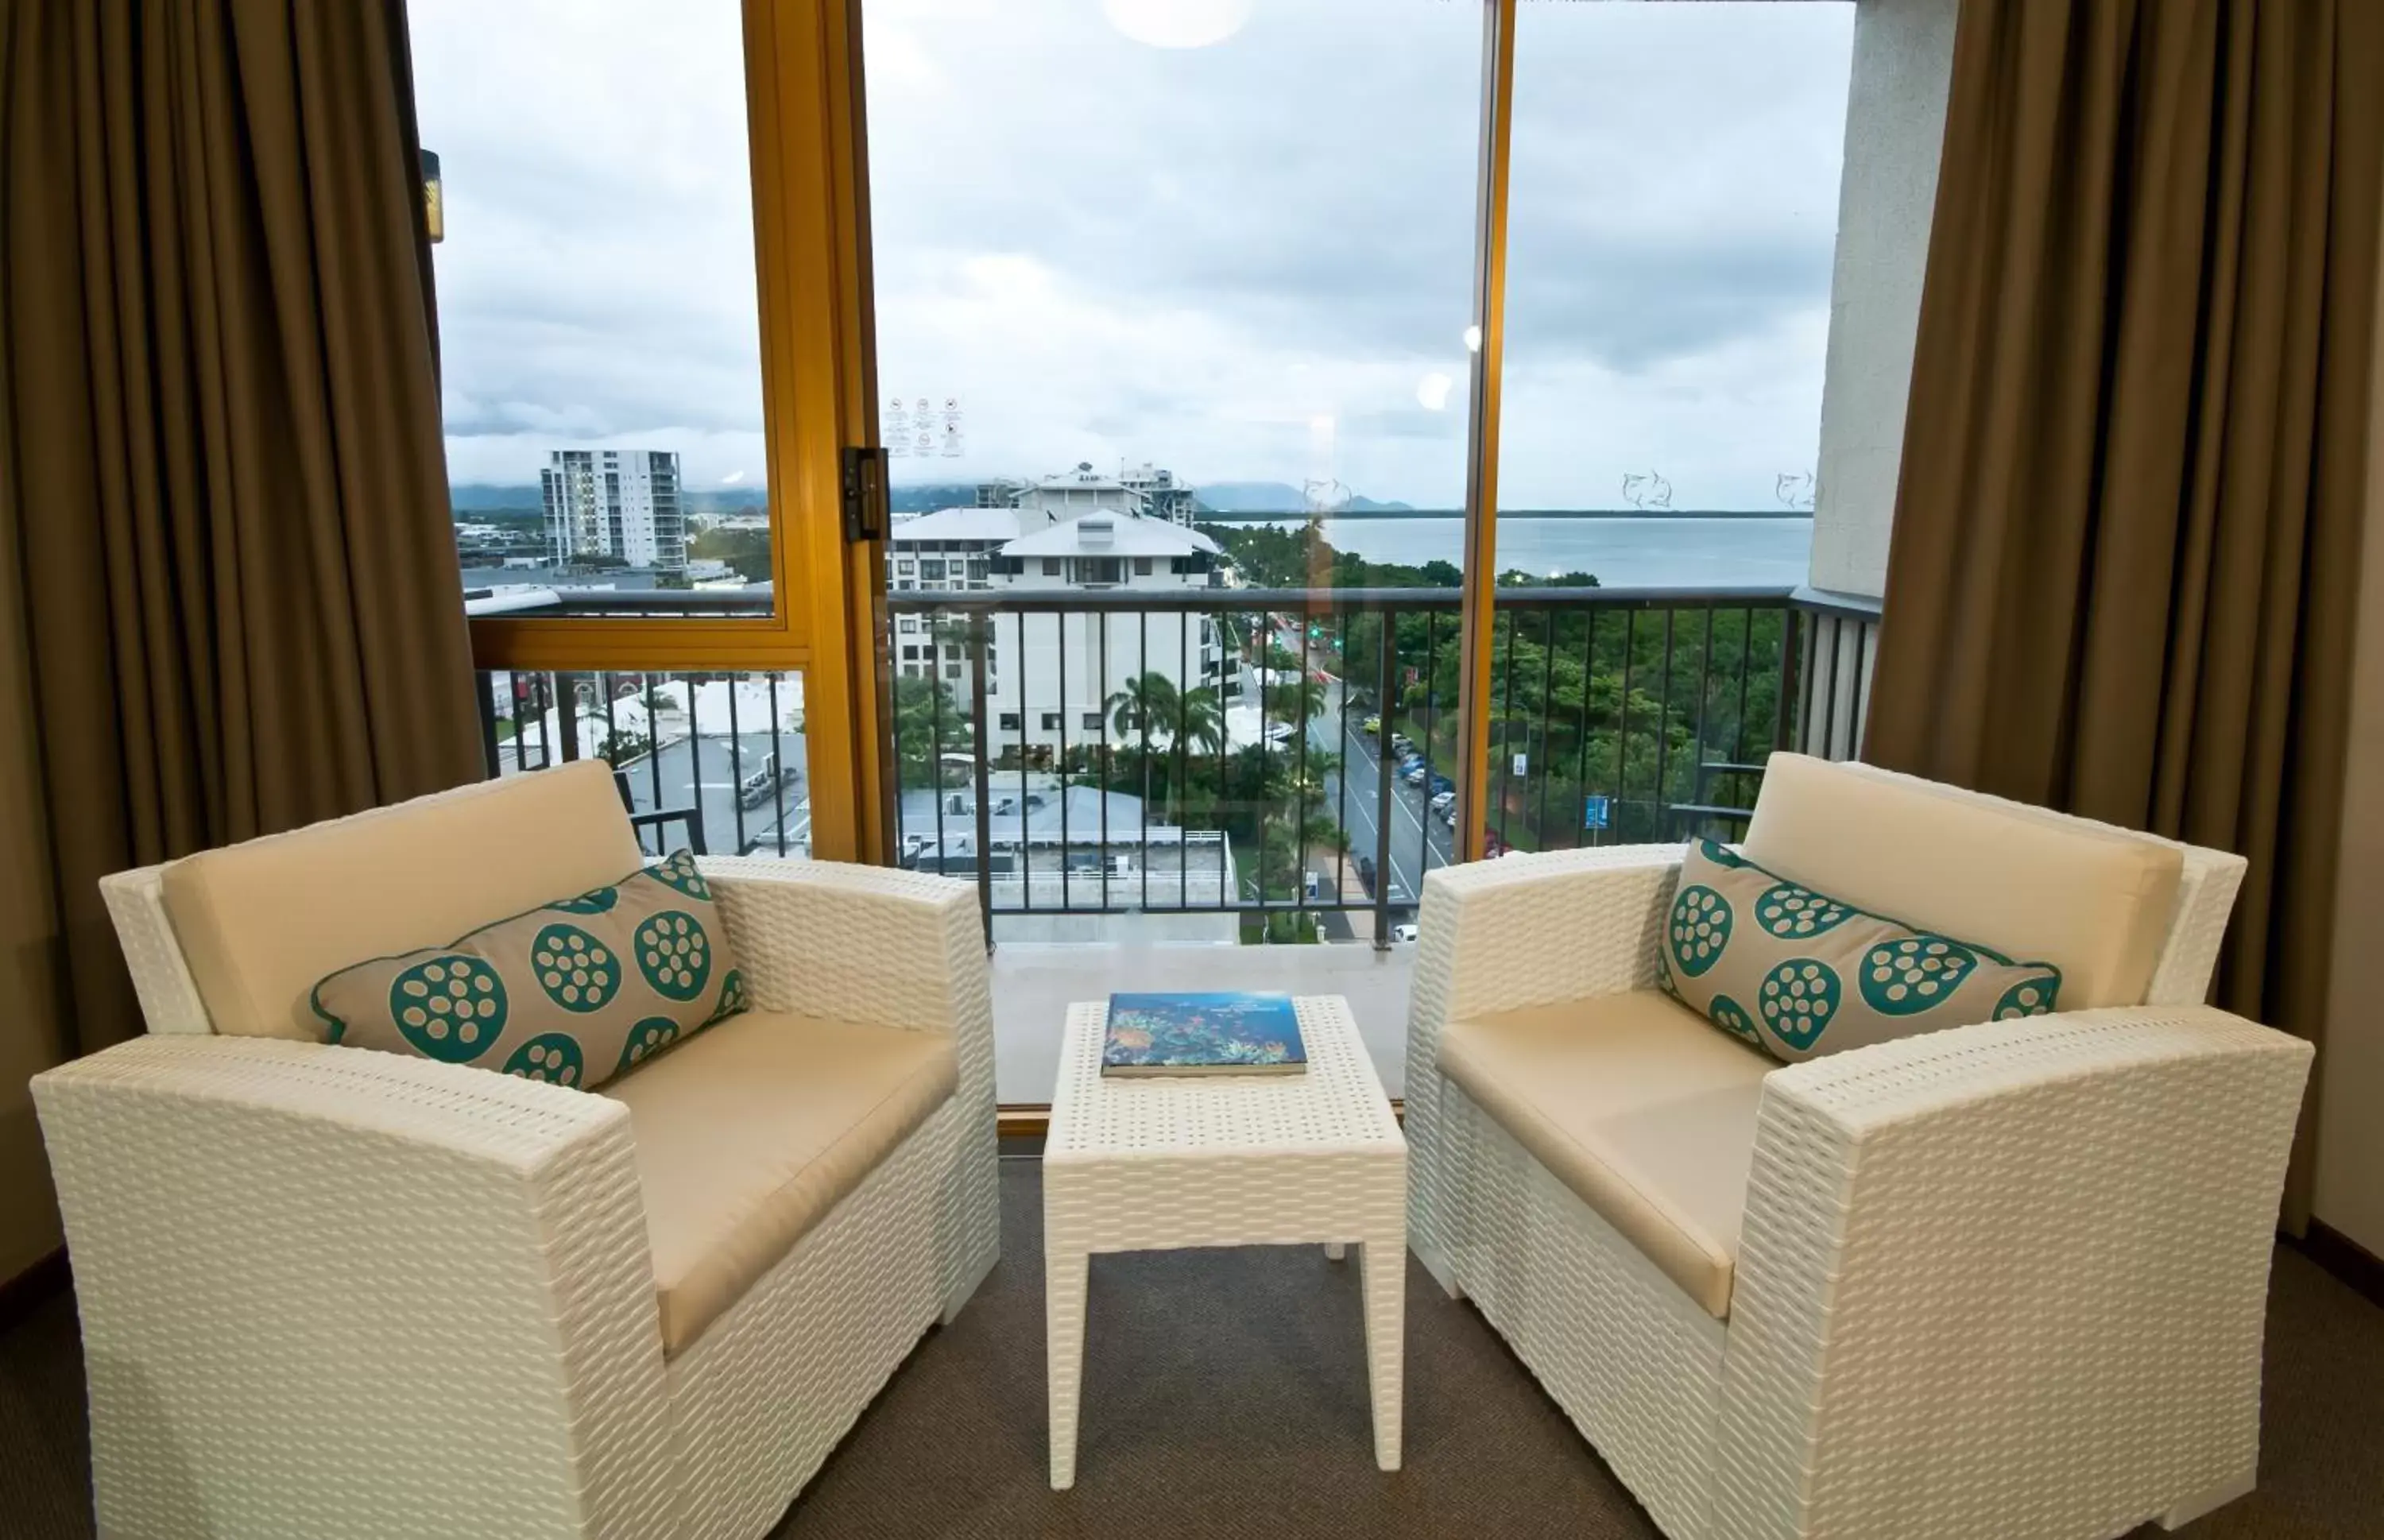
(574, 993)
(1801, 973)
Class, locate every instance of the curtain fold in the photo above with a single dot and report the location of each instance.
(2125, 559)
(224, 472)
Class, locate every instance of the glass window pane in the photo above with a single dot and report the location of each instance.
(599, 335)
(1672, 228)
(711, 762)
(1145, 292)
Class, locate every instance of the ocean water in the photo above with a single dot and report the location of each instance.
(1620, 552)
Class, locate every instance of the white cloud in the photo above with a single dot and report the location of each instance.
(1110, 251)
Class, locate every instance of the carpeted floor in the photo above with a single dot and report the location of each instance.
(1226, 1396)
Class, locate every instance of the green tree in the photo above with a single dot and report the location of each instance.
(746, 551)
(1146, 705)
(927, 725)
(622, 745)
(1200, 720)
(1295, 700)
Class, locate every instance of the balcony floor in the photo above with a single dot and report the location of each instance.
(1034, 984)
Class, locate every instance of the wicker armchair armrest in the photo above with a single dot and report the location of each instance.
(858, 943)
(1958, 1245)
(321, 1285)
(864, 944)
(1534, 930)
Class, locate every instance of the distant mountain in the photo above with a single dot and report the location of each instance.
(1218, 497)
(1275, 497)
(927, 497)
(473, 497)
(725, 499)
(1251, 497)
(468, 497)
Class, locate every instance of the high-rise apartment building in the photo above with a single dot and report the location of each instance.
(623, 504)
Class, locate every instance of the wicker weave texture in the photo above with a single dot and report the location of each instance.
(1494, 935)
(480, 1326)
(1634, 1361)
(2006, 1279)
(168, 995)
(1151, 1165)
(326, 1291)
(759, 1401)
(764, 1395)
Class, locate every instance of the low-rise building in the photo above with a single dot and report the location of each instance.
(1051, 676)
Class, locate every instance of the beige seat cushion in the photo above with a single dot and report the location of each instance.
(748, 1135)
(2094, 902)
(260, 922)
(1640, 1107)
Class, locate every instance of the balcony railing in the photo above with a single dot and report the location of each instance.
(714, 761)
(1229, 764)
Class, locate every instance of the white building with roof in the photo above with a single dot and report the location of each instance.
(1145, 489)
(1049, 677)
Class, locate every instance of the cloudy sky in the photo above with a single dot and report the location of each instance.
(1247, 261)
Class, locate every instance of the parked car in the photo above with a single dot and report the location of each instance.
(1402, 745)
(1371, 726)
(1403, 933)
(1447, 811)
(1414, 774)
(1366, 872)
(1443, 798)
(1442, 786)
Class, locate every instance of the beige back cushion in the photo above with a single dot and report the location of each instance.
(260, 922)
(2037, 886)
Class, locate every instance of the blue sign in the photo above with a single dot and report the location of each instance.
(1593, 813)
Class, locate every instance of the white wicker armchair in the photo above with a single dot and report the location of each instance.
(2005, 1279)
(327, 1291)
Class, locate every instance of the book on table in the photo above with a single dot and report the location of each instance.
(1202, 1034)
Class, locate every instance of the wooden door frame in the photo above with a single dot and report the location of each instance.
(810, 258)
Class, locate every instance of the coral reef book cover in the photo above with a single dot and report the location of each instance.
(1209, 1034)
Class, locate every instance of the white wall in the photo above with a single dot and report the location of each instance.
(1895, 121)
(1094, 672)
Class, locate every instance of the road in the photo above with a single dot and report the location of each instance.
(705, 773)
(1419, 841)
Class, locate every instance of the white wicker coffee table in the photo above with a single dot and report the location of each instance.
(1159, 1163)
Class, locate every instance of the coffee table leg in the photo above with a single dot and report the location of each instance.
(1382, 1270)
(1064, 1329)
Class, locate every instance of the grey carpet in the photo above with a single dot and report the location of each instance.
(1226, 1396)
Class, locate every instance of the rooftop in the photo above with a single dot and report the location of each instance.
(1112, 534)
(958, 524)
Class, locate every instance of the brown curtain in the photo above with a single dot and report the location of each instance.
(219, 438)
(2125, 559)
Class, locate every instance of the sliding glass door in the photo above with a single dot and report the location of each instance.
(1171, 306)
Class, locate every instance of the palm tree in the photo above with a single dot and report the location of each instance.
(1197, 730)
(1147, 704)
(1296, 699)
(1200, 720)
